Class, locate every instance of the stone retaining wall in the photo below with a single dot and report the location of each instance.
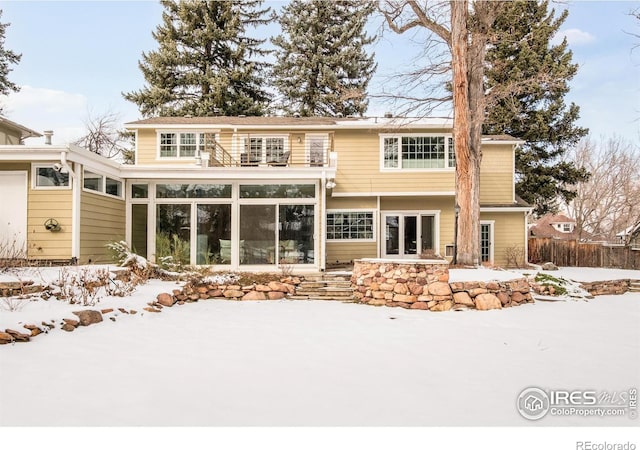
(610, 287)
(425, 285)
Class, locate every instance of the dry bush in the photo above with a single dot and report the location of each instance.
(515, 256)
(11, 254)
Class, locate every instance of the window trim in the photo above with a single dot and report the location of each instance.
(104, 184)
(34, 178)
(448, 138)
(349, 211)
(178, 133)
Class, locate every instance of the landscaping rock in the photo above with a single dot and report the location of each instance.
(166, 299)
(254, 295)
(17, 336)
(275, 295)
(419, 305)
(442, 306)
(439, 288)
(88, 317)
(463, 298)
(5, 338)
(487, 301)
(68, 327)
(549, 266)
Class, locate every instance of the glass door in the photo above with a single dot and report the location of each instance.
(408, 235)
(486, 242)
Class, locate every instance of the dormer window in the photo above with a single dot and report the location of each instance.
(566, 227)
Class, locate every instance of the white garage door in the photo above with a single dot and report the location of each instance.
(13, 214)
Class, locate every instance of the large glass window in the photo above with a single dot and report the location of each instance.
(295, 229)
(173, 233)
(213, 234)
(277, 191)
(193, 191)
(139, 229)
(417, 152)
(257, 234)
(356, 225)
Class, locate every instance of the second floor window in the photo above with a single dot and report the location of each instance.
(263, 149)
(417, 152)
(185, 144)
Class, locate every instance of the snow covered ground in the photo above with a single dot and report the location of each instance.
(317, 363)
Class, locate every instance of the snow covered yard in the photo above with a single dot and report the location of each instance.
(317, 363)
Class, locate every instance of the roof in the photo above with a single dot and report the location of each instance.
(544, 227)
(519, 203)
(24, 131)
(629, 231)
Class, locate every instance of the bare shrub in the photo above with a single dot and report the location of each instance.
(12, 304)
(515, 256)
(11, 253)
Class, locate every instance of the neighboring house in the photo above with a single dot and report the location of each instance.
(59, 203)
(556, 226)
(253, 193)
(630, 236)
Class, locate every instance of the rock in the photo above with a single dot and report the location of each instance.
(416, 289)
(5, 338)
(439, 288)
(233, 293)
(378, 294)
(72, 322)
(277, 286)
(477, 291)
(113, 319)
(457, 286)
(493, 286)
(377, 302)
(263, 288)
(67, 327)
(133, 311)
(202, 289)
(35, 330)
(405, 298)
(254, 295)
(215, 293)
(517, 297)
(487, 301)
(151, 309)
(386, 287)
(88, 317)
(275, 295)
(123, 311)
(442, 306)
(48, 325)
(462, 298)
(106, 311)
(17, 336)
(419, 305)
(549, 266)
(166, 299)
(400, 288)
(504, 298)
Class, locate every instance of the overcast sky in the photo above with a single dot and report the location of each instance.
(78, 57)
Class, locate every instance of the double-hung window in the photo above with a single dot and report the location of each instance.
(186, 144)
(417, 152)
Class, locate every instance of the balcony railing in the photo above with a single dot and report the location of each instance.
(220, 157)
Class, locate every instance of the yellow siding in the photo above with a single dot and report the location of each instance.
(496, 175)
(101, 221)
(509, 233)
(359, 168)
(43, 205)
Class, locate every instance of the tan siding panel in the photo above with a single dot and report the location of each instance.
(43, 205)
(102, 220)
(343, 252)
(496, 175)
(508, 233)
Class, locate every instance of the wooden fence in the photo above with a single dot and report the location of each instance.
(581, 254)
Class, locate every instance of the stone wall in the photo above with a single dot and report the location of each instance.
(425, 285)
(610, 287)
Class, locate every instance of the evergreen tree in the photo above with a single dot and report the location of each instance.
(205, 64)
(535, 111)
(322, 67)
(7, 57)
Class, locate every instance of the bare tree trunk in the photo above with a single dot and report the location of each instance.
(465, 165)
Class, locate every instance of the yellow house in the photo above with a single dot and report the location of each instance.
(257, 193)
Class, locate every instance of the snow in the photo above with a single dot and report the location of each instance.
(314, 362)
(583, 274)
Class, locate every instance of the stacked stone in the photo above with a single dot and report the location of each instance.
(491, 295)
(11, 288)
(274, 290)
(611, 287)
(414, 286)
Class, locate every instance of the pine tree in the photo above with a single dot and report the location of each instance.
(322, 67)
(7, 57)
(535, 112)
(206, 63)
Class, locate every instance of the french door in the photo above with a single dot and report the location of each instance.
(408, 235)
(486, 241)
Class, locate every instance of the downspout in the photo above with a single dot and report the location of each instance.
(323, 219)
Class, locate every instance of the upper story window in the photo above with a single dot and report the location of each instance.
(417, 152)
(566, 227)
(263, 150)
(185, 144)
(48, 176)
